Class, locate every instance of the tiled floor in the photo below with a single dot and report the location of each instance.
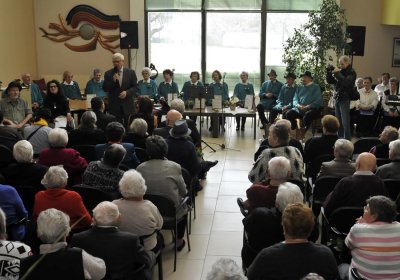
(217, 230)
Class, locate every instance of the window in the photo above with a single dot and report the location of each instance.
(293, 5)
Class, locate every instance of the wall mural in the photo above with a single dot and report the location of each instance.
(86, 22)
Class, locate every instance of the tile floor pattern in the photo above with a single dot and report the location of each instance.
(217, 231)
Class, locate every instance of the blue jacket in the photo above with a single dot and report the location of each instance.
(130, 158)
(285, 97)
(165, 88)
(149, 89)
(308, 95)
(242, 90)
(36, 95)
(93, 87)
(71, 91)
(220, 89)
(274, 88)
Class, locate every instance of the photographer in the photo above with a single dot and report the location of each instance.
(343, 78)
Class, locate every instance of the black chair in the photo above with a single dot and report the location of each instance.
(168, 211)
(365, 144)
(27, 195)
(87, 151)
(141, 154)
(91, 196)
(313, 168)
(382, 161)
(6, 156)
(355, 275)
(393, 187)
(323, 186)
(191, 194)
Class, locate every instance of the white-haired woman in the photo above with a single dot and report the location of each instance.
(60, 262)
(56, 196)
(58, 154)
(241, 91)
(147, 86)
(224, 269)
(87, 132)
(139, 216)
(137, 134)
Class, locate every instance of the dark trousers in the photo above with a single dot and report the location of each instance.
(238, 121)
(307, 117)
(261, 114)
(182, 227)
(273, 115)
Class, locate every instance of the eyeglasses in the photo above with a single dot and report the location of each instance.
(52, 86)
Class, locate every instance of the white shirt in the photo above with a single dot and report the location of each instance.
(380, 89)
(369, 98)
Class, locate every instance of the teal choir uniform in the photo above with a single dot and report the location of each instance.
(36, 95)
(186, 88)
(93, 87)
(148, 88)
(285, 97)
(272, 87)
(220, 89)
(308, 95)
(165, 88)
(241, 90)
(71, 91)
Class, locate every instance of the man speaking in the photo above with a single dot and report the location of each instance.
(121, 84)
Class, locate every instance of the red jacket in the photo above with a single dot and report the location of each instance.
(73, 163)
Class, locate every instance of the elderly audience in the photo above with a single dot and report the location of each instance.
(139, 216)
(56, 196)
(137, 134)
(121, 251)
(103, 118)
(355, 189)
(392, 169)
(388, 134)
(164, 177)
(36, 95)
(10, 252)
(171, 117)
(341, 165)
(37, 133)
(278, 140)
(224, 269)
(147, 86)
(87, 132)
(105, 174)
(179, 105)
(61, 262)
(282, 259)
(374, 241)
(24, 172)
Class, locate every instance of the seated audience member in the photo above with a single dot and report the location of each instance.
(95, 85)
(171, 118)
(58, 154)
(38, 133)
(61, 262)
(374, 241)
(56, 196)
(164, 177)
(283, 258)
(278, 140)
(25, 172)
(384, 85)
(56, 101)
(139, 216)
(388, 135)
(341, 165)
(147, 86)
(224, 269)
(16, 112)
(241, 90)
(70, 88)
(14, 209)
(36, 95)
(263, 226)
(137, 134)
(292, 142)
(10, 252)
(354, 190)
(391, 114)
(114, 133)
(87, 132)
(105, 173)
(121, 251)
(263, 194)
(366, 106)
(322, 145)
(8, 135)
(103, 119)
(392, 169)
(144, 110)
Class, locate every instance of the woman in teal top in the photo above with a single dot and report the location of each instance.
(95, 85)
(147, 86)
(70, 88)
(168, 86)
(218, 87)
(194, 81)
(241, 90)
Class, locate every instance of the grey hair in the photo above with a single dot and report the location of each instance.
(279, 168)
(393, 80)
(358, 79)
(383, 208)
(344, 148)
(178, 104)
(52, 226)
(288, 193)
(156, 147)
(88, 121)
(313, 276)
(96, 70)
(23, 151)
(132, 184)
(106, 213)
(244, 73)
(58, 138)
(118, 55)
(391, 133)
(344, 58)
(55, 177)
(225, 269)
(146, 69)
(3, 225)
(139, 126)
(394, 150)
(284, 122)
(114, 155)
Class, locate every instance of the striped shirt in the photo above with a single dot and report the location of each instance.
(375, 249)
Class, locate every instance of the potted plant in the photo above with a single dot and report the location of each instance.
(190, 103)
(232, 103)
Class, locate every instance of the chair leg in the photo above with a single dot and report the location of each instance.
(190, 221)
(176, 243)
(187, 236)
(160, 266)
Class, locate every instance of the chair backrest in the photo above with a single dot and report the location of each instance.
(365, 144)
(187, 178)
(91, 196)
(27, 195)
(86, 151)
(315, 166)
(164, 205)
(141, 154)
(6, 156)
(343, 218)
(382, 161)
(393, 187)
(323, 186)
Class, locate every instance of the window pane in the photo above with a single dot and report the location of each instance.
(173, 4)
(293, 5)
(280, 26)
(233, 45)
(233, 4)
(169, 49)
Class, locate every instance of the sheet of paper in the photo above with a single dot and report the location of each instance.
(217, 102)
(248, 102)
(60, 121)
(171, 96)
(197, 103)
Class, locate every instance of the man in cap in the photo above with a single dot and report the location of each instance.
(307, 102)
(269, 92)
(285, 98)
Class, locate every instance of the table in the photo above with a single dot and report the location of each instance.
(226, 112)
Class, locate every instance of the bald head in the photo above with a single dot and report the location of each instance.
(366, 162)
(172, 117)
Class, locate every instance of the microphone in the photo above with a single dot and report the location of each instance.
(116, 71)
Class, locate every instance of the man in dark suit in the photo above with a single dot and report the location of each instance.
(121, 251)
(121, 85)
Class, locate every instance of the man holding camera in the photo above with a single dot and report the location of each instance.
(343, 78)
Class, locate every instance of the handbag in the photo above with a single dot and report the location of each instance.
(354, 94)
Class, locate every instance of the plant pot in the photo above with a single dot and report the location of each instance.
(232, 107)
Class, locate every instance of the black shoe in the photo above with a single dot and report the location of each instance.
(180, 247)
(242, 128)
(237, 128)
(209, 164)
(210, 128)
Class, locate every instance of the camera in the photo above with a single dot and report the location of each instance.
(330, 67)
